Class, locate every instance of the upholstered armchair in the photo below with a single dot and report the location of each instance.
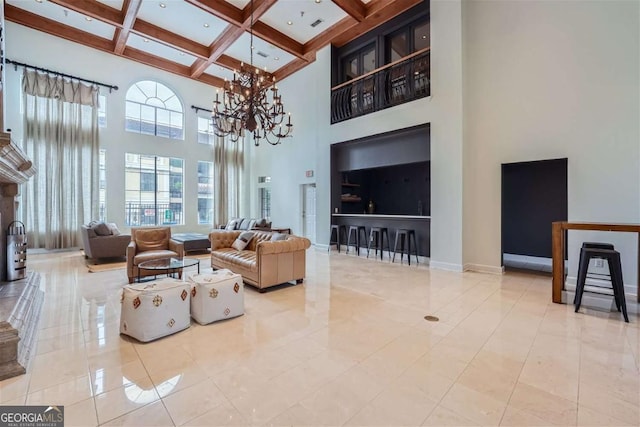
(149, 243)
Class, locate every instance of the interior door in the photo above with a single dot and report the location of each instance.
(309, 211)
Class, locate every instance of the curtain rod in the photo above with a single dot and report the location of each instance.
(200, 109)
(20, 64)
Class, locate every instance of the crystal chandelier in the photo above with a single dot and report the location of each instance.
(250, 102)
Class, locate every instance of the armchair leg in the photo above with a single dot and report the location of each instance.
(298, 281)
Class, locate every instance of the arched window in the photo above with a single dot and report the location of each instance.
(154, 109)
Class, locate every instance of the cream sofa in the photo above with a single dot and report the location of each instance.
(263, 263)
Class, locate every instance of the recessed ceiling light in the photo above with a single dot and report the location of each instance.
(88, 18)
(289, 22)
(146, 40)
(318, 1)
(205, 25)
(181, 53)
(276, 58)
(162, 5)
(424, 36)
(39, 1)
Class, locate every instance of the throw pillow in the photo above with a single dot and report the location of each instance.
(114, 228)
(244, 225)
(233, 224)
(243, 240)
(101, 229)
(278, 236)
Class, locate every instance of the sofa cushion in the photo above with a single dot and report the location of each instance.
(279, 236)
(245, 259)
(152, 239)
(153, 255)
(101, 229)
(233, 224)
(243, 240)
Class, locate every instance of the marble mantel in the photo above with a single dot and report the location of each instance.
(20, 300)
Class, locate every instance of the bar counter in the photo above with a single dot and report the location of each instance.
(420, 223)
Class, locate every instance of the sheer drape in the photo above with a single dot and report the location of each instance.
(61, 137)
(228, 170)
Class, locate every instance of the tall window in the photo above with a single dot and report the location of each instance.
(205, 130)
(264, 194)
(205, 192)
(154, 190)
(154, 109)
(102, 111)
(102, 172)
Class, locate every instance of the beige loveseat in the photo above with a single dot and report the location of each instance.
(263, 263)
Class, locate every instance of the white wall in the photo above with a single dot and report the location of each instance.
(307, 94)
(36, 48)
(545, 80)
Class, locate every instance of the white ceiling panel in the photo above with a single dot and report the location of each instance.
(218, 71)
(66, 17)
(301, 14)
(116, 4)
(275, 57)
(240, 4)
(183, 18)
(158, 49)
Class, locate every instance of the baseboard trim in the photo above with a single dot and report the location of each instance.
(321, 246)
(448, 266)
(481, 268)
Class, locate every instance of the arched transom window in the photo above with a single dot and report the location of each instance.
(154, 109)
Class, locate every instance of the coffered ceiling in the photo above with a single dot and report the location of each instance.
(206, 39)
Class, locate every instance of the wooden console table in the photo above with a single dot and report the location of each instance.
(559, 237)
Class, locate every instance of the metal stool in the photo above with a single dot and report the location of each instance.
(338, 229)
(601, 251)
(358, 229)
(405, 234)
(377, 234)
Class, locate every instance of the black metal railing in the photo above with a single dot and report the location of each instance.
(393, 84)
(137, 214)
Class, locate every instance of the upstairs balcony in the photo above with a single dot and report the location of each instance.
(402, 81)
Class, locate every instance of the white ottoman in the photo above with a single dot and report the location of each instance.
(216, 296)
(155, 309)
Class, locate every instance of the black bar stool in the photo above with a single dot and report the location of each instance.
(376, 236)
(358, 230)
(605, 251)
(340, 230)
(405, 234)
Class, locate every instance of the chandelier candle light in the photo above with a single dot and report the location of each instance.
(251, 102)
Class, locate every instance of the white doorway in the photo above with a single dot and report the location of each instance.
(309, 211)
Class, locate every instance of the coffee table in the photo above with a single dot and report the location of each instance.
(168, 266)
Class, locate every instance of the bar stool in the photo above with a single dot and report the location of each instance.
(377, 234)
(405, 234)
(358, 230)
(340, 230)
(590, 251)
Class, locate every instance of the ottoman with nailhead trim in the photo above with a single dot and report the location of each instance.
(216, 296)
(155, 309)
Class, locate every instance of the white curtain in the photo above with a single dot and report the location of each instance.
(61, 138)
(228, 172)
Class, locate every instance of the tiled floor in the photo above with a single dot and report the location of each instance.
(349, 347)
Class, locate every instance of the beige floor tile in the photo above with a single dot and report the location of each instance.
(193, 401)
(546, 406)
(324, 352)
(398, 405)
(64, 394)
(473, 405)
(81, 414)
(117, 402)
(442, 416)
(153, 414)
(589, 417)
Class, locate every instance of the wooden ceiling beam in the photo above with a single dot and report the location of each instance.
(292, 67)
(221, 9)
(356, 9)
(148, 30)
(93, 9)
(130, 11)
(40, 23)
(325, 37)
(278, 39)
(378, 12)
(54, 28)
